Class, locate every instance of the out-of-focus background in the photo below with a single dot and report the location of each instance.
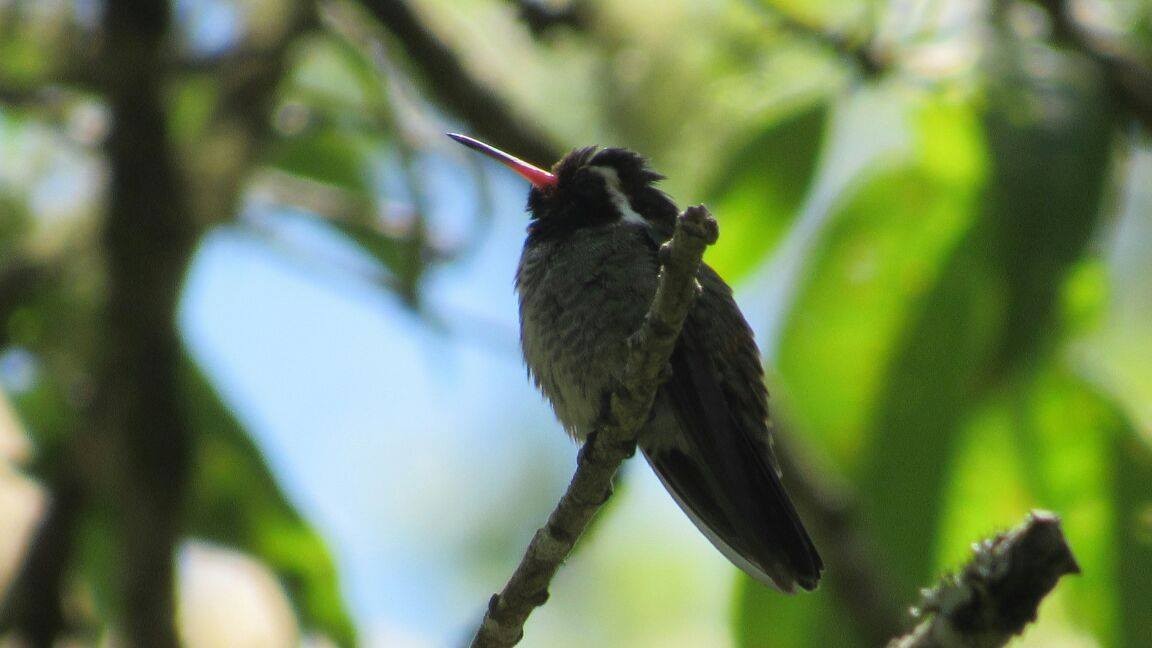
(259, 374)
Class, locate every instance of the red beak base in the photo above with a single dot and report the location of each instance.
(537, 176)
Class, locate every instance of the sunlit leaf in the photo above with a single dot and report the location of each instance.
(758, 193)
(23, 55)
(993, 305)
(1037, 222)
(887, 302)
(986, 301)
(235, 501)
(886, 247)
(331, 75)
(1067, 431)
(818, 15)
(932, 379)
(327, 155)
(1042, 442)
(764, 618)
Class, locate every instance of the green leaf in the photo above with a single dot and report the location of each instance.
(886, 249)
(993, 305)
(235, 501)
(330, 74)
(821, 15)
(888, 369)
(1066, 431)
(329, 155)
(1049, 130)
(887, 276)
(27, 58)
(758, 194)
(765, 618)
(341, 116)
(15, 223)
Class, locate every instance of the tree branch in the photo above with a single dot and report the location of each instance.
(1129, 77)
(614, 439)
(998, 592)
(147, 241)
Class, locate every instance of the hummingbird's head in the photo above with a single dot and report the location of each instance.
(587, 188)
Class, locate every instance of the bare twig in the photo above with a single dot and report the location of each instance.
(998, 592)
(454, 87)
(614, 439)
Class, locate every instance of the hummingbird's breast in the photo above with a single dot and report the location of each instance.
(580, 298)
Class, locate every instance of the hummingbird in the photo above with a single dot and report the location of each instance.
(586, 277)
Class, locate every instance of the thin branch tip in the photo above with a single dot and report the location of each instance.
(700, 222)
(998, 592)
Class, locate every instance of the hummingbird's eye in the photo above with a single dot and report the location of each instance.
(586, 183)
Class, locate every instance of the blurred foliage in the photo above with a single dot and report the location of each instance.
(953, 345)
(235, 501)
(762, 189)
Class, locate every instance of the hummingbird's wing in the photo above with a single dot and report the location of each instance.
(719, 466)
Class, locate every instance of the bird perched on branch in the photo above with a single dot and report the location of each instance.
(586, 277)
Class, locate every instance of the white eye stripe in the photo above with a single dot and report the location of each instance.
(609, 174)
(616, 194)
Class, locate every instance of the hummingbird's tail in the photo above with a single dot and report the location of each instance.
(723, 476)
(767, 540)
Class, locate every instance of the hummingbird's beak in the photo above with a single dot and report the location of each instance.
(537, 176)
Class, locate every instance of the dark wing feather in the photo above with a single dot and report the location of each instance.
(723, 473)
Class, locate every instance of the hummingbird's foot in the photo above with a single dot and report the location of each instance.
(595, 449)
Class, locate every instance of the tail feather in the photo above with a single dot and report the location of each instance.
(722, 476)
